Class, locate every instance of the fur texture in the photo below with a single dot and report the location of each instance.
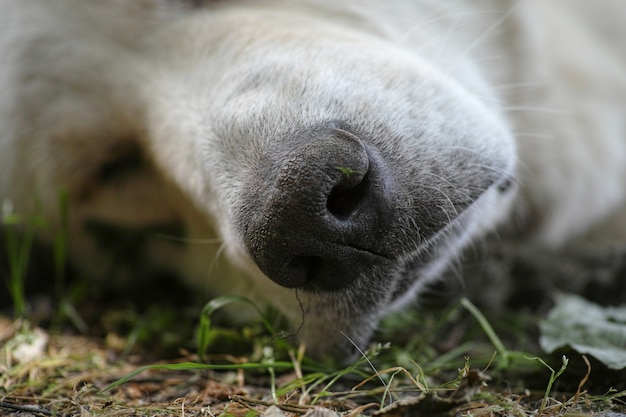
(197, 131)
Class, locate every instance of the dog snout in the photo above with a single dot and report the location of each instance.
(321, 225)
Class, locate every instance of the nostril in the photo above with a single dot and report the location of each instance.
(346, 197)
(306, 268)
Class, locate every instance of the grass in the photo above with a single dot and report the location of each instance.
(79, 373)
(19, 234)
(452, 366)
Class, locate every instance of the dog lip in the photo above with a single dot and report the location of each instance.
(366, 251)
(319, 282)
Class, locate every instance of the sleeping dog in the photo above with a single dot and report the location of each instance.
(330, 158)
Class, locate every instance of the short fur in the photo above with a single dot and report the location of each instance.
(177, 117)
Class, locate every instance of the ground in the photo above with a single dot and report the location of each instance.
(451, 367)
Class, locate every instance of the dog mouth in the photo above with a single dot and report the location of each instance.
(323, 274)
(337, 321)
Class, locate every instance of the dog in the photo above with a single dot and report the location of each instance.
(327, 158)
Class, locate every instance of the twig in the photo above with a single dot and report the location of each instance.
(249, 402)
(26, 408)
(583, 381)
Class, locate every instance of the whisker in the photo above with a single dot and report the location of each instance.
(443, 193)
(213, 266)
(537, 135)
(498, 170)
(450, 184)
(207, 241)
(368, 361)
(525, 84)
(537, 109)
(419, 26)
(483, 36)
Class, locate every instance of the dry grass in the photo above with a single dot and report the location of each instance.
(69, 374)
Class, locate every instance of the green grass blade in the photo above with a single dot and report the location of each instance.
(505, 356)
(187, 366)
(204, 327)
(60, 246)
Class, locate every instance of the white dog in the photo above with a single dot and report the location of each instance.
(327, 157)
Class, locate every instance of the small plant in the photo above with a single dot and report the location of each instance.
(206, 332)
(553, 376)
(60, 247)
(19, 234)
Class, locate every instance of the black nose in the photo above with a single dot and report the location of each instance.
(322, 224)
